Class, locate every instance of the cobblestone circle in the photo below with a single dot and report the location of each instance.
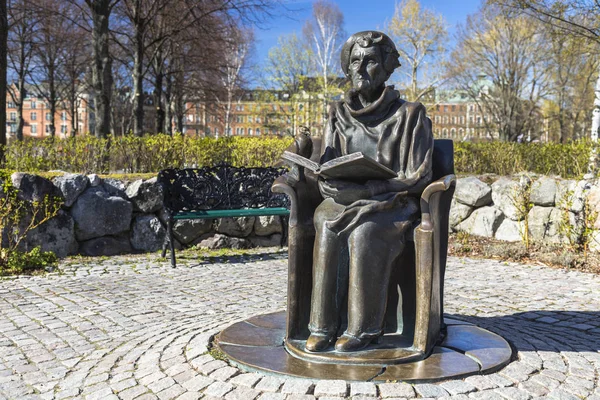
(133, 328)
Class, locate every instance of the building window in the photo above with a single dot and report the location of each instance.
(33, 104)
(33, 116)
(47, 128)
(249, 131)
(34, 129)
(10, 104)
(47, 116)
(63, 116)
(257, 131)
(445, 108)
(190, 118)
(258, 120)
(208, 131)
(63, 129)
(13, 116)
(239, 119)
(250, 118)
(453, 107)
(239, 107)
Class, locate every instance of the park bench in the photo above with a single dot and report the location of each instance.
(218, 192)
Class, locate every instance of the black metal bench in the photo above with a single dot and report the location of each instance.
(218, 192)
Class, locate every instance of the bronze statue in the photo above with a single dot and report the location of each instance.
(368, 238)
(367, 220)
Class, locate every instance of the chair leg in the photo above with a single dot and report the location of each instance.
(171, 242)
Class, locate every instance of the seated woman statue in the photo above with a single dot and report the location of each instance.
(361, 226)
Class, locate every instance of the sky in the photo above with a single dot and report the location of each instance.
(358, 17)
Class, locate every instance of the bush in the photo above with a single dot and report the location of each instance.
(568, 160)
(131, 154)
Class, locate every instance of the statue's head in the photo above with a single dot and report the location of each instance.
(368, 59)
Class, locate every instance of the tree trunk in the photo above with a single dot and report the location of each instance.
(169, 106)
(138, 84)
(158, 103)
(102, 80)
(596, 112)
(19, 103)
(3, 68)
(52, 102)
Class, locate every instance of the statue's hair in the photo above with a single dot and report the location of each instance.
(367, 39)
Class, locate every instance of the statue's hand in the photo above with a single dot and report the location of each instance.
(344, 192)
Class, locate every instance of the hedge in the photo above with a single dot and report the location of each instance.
(149, 154)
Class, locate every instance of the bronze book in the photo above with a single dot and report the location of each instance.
(352, 167)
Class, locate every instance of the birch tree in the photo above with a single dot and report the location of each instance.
(421, 37)
(3, 70)
(325, 32)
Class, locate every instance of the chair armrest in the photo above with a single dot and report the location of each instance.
(280, 185)
(441, 185)
(304, 198)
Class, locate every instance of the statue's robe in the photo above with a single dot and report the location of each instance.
(357, 244)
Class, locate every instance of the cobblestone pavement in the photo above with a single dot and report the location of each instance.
(133, 328)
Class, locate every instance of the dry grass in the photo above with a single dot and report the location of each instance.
(555, 256)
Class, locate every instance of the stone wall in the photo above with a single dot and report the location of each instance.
(109, 216)
(553, 210)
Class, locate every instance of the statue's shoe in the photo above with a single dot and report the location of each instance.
(348, 343)
(318, 342)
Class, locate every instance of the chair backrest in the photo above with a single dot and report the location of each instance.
(443, 158)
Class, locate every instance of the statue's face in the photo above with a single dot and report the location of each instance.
(366, 68)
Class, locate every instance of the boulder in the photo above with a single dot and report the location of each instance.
(96, 214)
(472, 192)
(265, 241)
(105, 246)
(219, 241)
(543, 192)
(595, 241)
(71, 186)
(483, 222)
(188, 230)
(95, 180)
(56, 235)
(564, 193)
(239, 227)
(115, 187)
(544, 224)
(505, 194)
(32, 187)
(267, 225)
(510, 231)
(458, 213)
(579, 196)
(147, 233)
(146, 196)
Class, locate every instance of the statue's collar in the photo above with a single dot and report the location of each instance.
(377, 109)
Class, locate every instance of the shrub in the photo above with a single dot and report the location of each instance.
(17, 218)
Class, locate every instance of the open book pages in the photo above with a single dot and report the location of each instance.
(353, 167)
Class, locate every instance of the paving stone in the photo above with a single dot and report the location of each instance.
(248, 380)
(242, 393)
(481, 382)
(300, 397)
(297, 386)
(513, 393)
(366, 389)
(218, 389)
(325, 388)
(429, 390)
(272, 396)
(223, 374)
(269, 384)
(197, 383)
(402, 390)
(458, 387)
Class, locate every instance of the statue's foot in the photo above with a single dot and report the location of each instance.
(319, 342)
(348, 343)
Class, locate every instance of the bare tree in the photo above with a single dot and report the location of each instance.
(23, 23)
(509, 51)
(325, 31)
(3, 71)
(421, 37)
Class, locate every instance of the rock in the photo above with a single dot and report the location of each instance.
(146, 196)
(105, 246)
(71, 186)
(593, 198)
(219, 241)
(147, 234)
(543, 192)
(239, 227)
(97, 214)
(115, 187)
(579, 195)
(265, 241)
(564, 193)
(458, 213)
(483, 222)
(510, 231)
(472, 192)
(95, 180)
(188, 230)
(56, 235)
(32, 187)
(267, 225)
(544, 224)
(595, 241)
(506, 194)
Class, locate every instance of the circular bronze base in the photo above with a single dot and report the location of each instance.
(257, 344)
